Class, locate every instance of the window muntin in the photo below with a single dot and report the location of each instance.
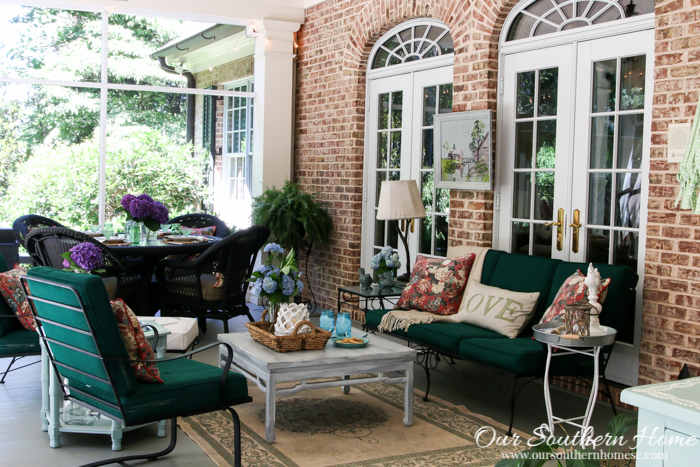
(238, 140)
(414, 43)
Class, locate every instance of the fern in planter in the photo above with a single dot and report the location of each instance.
(295, 218)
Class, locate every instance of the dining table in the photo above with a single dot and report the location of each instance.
(146, 254)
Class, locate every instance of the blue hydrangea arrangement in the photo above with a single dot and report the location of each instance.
(385, 261)
(278, 279)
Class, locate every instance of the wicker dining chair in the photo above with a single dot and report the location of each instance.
(47, 245)
(197, 221)
(186, 288)
(25, 224)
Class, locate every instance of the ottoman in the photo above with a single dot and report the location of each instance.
(183, 332)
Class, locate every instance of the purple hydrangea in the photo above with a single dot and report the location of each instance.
(140, 208)
(126, 201)
(144, 197)
(66, 263)
(159, 212)
(87, 256)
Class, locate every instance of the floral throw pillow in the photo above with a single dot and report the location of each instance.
(436, 285)
(573, 292)
(219, 284)
(211, 230)
(137, 345)
(12, 292)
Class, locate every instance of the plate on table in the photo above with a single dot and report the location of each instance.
(93, 234)
(182, 239)
(113, 241)
(350, 345)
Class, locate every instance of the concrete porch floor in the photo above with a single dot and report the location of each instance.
(23, 443)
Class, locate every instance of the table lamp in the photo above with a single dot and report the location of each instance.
(400, 200)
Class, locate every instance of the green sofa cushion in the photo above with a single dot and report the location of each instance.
(622, 279)
(374, 317)
(188, 386)
(490, 262)
(7, 325)
(20, 341)
(447, 336)
(96, 303)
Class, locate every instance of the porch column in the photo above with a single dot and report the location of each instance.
(274, 105)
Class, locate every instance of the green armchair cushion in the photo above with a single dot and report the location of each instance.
(19, 341)
(188, 385)
(94, 295)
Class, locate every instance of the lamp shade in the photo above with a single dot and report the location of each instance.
(400, 199)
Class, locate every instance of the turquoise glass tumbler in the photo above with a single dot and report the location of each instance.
(327, 321)
(343, 325)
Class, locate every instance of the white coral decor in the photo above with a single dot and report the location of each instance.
(288, 316)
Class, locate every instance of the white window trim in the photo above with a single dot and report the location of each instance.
(228, 155)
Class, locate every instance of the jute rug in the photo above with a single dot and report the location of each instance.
(324, 427)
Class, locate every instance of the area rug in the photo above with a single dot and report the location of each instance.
(324, 427)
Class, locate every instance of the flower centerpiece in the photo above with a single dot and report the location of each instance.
(144, 210)
(84, 258)
(385, 264)
(278, 279)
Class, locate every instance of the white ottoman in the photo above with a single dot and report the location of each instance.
(183, 331)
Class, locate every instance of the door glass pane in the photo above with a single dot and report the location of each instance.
(384, 111)
(546, 144)
(549, 82)
(428, 162)
(630, 136)
(520, 242)
(597, 246)
(521, 195)
(425, 235)
(600, 185)
(632, 82)
(428, 105)
(628, 199)
(379, 232)
(395, 155)
(382, 143)
(426, 190)
(394, 175)
(381, 176)
(626, 248)
(396, 109)
(602, 140)
(441, 228)
(523, 145)
(544, 196)
(442, 204)
(446, 98)
(542, 245)
(526, 95)
(604, 85)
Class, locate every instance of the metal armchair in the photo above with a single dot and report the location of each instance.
(186, 287)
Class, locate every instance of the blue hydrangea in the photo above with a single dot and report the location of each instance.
(386, 251)
(392, 260)
(376, 259)
(257, 287)
(287, 285)
(274, 248)
(269, 285)
(300, 285)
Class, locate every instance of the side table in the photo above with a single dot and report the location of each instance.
(348, 293)
(585, 345)
(52, 398)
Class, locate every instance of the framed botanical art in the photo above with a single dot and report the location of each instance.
(463, 156)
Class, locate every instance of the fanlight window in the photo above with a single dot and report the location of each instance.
(547, 16)
(413, 43)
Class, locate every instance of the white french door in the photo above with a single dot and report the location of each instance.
(400, 147)
(575, 126)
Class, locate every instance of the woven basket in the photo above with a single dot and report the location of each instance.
(316, 339)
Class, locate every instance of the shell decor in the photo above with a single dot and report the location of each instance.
(593, 283)
(288, 316)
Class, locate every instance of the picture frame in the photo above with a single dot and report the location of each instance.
(462, 150)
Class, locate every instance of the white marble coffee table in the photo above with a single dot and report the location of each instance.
(267, 368)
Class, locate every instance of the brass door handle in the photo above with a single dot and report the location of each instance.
(576, 224)
(560, 228)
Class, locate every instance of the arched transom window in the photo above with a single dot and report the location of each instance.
(547, 16)
(413, 43)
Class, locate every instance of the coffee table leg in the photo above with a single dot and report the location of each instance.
(346, 389)
(408, 396)
(270, 396)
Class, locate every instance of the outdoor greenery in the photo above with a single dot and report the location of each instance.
(295, 218)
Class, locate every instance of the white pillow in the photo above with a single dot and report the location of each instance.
(503, 311)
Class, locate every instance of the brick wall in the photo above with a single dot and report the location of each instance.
(334, 46)
(671, 325)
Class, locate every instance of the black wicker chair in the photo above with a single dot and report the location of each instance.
(189, 291)
(47, 245)
(25, 224)
(203, 220)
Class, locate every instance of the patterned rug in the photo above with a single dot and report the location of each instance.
(324, 427)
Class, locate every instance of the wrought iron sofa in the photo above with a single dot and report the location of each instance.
(521, 358)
